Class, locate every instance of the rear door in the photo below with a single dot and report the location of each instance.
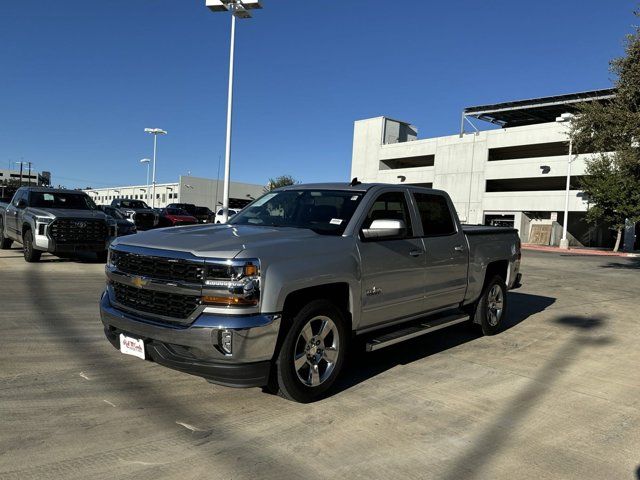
(392, 269)
(446, 252)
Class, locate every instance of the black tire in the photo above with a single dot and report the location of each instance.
(5, 243)
(491, 311)
(102, 256)
(31, 255)
(288, 380)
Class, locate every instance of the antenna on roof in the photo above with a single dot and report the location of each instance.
(355, 182)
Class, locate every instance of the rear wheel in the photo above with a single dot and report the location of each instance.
(312, 353)
(5, 243)
(30, 254)
(492, 306)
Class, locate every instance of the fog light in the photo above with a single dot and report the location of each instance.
(226, 341)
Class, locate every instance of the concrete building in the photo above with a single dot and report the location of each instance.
(513, 176)
(35, 178)
(199, 191)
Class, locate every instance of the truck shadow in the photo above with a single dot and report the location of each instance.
(362, 366)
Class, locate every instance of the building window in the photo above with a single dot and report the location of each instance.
(535, 184)
(408, 162)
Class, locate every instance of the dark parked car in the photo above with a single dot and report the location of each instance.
(173, 217)
(190, 208)
(139, 212)
(125, 226)
(205, 215)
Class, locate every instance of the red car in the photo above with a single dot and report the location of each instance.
(172, 217)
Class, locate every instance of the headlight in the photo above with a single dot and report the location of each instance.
(234, 283)
(129, 213)
(41, 224)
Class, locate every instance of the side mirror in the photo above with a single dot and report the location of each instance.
(381, 229)
(22, 203)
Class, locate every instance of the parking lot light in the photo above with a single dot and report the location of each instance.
(148, 162)
(155, 132)
(566, 118)
(239, 9)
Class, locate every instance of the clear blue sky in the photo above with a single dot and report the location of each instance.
(80, 79)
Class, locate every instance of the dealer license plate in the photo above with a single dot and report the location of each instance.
(132, 346)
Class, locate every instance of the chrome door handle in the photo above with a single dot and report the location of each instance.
(416, 253)
(458, 248)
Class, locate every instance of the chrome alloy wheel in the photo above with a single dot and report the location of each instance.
(316, 351)
(495, 305)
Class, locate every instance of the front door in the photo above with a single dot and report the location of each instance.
(392, 269)
(11, 216)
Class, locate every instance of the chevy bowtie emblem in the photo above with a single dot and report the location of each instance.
(140, 282)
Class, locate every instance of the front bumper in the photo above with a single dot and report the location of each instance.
(195, 348)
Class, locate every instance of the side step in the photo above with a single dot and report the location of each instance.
(421, 328)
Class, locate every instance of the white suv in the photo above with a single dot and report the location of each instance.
(232, 212)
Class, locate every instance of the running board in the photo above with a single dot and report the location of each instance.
(422, 328)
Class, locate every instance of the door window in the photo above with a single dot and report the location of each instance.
(390, 206)
(435, 215)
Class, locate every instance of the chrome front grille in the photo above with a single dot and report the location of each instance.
(161, 268)
(155, 302)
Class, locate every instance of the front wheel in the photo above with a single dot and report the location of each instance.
(312, 353)
(31, 255)
(492, 306)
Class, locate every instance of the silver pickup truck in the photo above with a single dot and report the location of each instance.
(275, 297)
(62, 222)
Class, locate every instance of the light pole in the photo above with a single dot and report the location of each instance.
(155, 132)
(564, 242)
(148, 162)
(239, 9)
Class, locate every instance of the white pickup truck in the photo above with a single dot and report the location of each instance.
(274, 297)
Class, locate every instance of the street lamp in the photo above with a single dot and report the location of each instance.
(239, 9)
(148, 162)
(155, 132)
(564, 242)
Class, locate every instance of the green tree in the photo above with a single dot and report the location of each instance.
(612, 128)
(281, 181)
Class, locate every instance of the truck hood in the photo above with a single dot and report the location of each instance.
(221, 241)
(68, 213)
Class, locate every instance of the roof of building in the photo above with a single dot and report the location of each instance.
(34, 188)
(535, 110)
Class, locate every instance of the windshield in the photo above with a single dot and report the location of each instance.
(133, 204)
(324, 211)
(65, 200)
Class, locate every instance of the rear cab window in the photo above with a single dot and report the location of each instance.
(435, 214)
